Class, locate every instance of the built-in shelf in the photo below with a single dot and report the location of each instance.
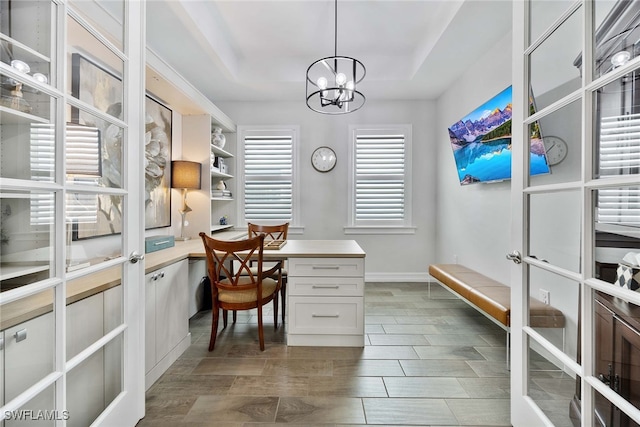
(220, 152)
(222, 199)
(216, 174)
(218, 227)
(11, 271)
(15, 117)
(26, 53)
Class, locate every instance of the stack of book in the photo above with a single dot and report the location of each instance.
(220, 193)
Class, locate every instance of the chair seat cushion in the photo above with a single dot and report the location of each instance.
(236, 297)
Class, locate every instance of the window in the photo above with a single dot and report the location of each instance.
(380, 196)
(269, 180)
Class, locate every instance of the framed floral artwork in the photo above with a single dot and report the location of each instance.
(101, 88)
(157, 164)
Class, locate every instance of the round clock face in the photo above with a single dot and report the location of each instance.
(323, 159)
(556, 149)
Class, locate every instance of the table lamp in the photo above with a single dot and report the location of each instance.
(185, 175)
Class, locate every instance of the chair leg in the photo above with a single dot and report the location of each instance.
(235, 316)
(260, 331)
(214, 326)
(275, 311)
(224, 318)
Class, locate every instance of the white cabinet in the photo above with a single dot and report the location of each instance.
(325, 302)
(28, 351)
(166, 318)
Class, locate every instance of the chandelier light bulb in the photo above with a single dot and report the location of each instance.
(351, 85)
(341, 79)
(322, 82)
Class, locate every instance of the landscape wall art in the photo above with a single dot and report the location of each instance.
(481, 143)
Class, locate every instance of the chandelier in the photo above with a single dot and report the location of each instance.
(332, 82)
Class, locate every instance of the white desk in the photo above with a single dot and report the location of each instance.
(325, 291)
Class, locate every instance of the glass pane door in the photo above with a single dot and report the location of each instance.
(578, 227)
(69, 352)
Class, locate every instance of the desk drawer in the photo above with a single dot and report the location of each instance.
(326, 315)
(326, 286)
(335, 267)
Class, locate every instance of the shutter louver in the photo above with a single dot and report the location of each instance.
(619, 153)
(620, 145)
(619, 206)
(268, 168)
(380, 177)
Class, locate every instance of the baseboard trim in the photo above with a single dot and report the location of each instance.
(397, 277)
(164, 364)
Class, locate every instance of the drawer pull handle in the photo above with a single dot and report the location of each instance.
(326, 267)
(325, 315)
(21, 335)
(161, 242)
(325, 286)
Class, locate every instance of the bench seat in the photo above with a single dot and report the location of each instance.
(492, 297)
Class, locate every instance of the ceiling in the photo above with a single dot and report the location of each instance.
(256, 50)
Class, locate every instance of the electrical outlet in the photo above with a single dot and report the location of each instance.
(545, 296)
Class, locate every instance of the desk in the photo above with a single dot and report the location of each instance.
(325, 291)
(323, 274)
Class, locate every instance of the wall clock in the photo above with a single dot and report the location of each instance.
(555, 148)
(323, 159)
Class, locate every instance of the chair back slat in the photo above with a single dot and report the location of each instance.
(271, 232)
(220, 268)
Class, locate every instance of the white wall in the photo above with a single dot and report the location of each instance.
(473, 220)
(324, 195)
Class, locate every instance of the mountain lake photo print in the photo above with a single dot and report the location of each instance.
(481, 143)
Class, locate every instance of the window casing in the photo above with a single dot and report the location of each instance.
(267, 157)
(380, 175)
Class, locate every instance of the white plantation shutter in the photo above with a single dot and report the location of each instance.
(82, 157)
(619, 155)
(380, 176)
(620, 145)
(268, 175)
(619, 206)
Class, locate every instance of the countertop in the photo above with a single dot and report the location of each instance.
(14, 313)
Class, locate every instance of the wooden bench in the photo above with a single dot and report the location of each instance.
(492, 298)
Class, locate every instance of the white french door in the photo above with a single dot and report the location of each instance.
(575, 68)
(71, 335)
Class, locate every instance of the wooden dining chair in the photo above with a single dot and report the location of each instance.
(274, 232)
(244, 289)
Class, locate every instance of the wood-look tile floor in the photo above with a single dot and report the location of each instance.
(429, 360)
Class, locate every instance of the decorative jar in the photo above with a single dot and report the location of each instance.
(217, 138)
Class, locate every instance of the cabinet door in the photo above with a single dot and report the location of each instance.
(149, 322)
(172, 307)
(604, 360)
(30, 354)
(85, 382)
(627, 368)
